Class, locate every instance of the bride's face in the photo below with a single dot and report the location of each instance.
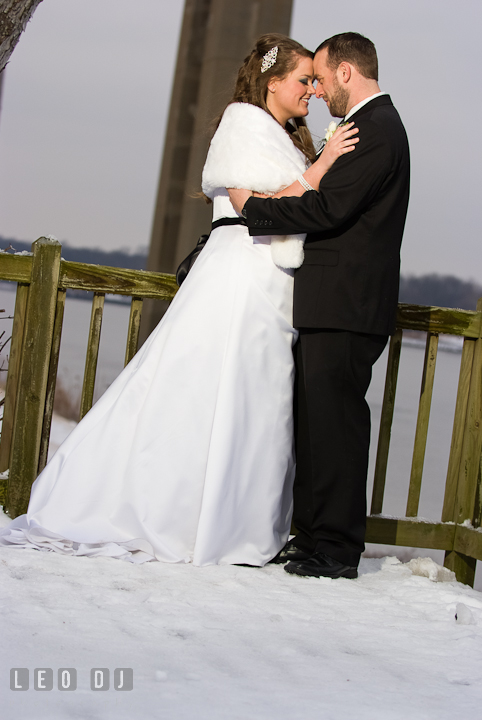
(289, 97)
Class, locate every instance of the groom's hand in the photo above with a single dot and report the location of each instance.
(238, 198)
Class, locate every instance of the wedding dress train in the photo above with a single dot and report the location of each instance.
(188, 456)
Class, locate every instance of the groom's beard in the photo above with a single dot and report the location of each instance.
(338, 102)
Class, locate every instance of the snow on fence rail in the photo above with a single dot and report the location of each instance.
(42, 281)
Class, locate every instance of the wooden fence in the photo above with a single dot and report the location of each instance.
(43, 280)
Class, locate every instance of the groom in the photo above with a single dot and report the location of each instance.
(345, 302)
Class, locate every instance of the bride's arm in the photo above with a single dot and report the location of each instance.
(342, 142)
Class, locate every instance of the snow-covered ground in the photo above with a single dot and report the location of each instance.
(60, 429)
(238, 642)
(222, 643)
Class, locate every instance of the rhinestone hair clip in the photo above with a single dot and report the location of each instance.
(269, 59)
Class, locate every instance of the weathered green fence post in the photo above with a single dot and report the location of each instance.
(468, 489)
(386, 419)
(87, 396)
(12, 376)
(52, 379)
(33, 374)
(421, 431)
(134, 328)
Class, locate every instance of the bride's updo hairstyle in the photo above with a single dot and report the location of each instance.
(252, 84)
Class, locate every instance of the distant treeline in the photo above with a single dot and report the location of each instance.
(114, 258)
(441, 290)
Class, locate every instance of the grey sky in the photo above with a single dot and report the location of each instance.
(86, 99)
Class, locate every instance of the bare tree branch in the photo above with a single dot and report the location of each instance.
(5, 344)
(14, 16)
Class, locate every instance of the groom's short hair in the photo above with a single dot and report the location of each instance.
(353, 48)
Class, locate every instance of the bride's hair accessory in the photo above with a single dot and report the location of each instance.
(269, 59)
(304, 183)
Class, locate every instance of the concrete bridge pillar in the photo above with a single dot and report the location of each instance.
(215, 38)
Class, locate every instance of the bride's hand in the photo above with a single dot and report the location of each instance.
(239, 197)
(341, 142)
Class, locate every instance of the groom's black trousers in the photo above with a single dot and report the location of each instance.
(332, 430)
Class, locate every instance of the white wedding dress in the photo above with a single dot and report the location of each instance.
(188, 456)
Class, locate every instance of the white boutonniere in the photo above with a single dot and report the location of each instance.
(330, 130)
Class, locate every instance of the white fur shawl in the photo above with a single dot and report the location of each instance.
(251, 150)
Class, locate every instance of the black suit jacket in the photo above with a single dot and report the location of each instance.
(350, 276)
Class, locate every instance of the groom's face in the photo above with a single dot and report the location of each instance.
(328, 87)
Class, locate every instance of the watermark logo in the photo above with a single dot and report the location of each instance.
(43, 679)
(19, 679)
(67, 679)
(99, 679)
(123, 679)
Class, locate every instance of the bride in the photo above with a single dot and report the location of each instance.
(188, 456)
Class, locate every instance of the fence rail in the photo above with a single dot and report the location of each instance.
(42, 281)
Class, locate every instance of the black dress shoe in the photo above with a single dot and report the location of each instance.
(290, 553)
(321, 565)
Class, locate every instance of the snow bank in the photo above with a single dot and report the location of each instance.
(239, 642)
(426, 567)
(221, 643)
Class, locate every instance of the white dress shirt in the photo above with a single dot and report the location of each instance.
(361, 104)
